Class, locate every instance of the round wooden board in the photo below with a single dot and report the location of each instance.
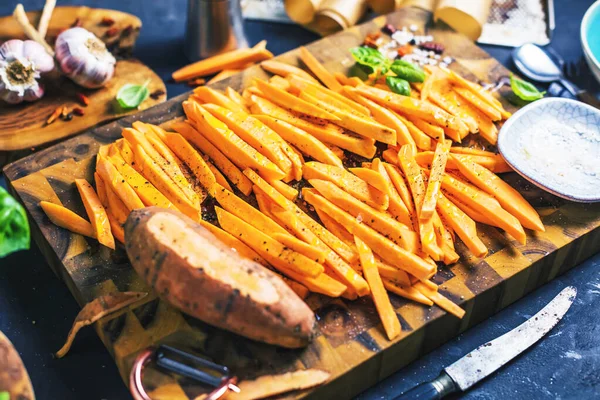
(23, 127)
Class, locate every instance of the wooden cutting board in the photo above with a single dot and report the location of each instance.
(23, 127)
(352, 345)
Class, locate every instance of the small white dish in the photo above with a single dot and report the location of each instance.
(555, 144)
(590, 38)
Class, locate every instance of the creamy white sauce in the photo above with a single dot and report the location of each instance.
(562, 155)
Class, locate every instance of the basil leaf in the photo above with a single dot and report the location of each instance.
(398, 85)
(408, 71)
(131, 96)
(371, 57)
(525, 90)
(14, 227)
(4, 396)
(360, 71)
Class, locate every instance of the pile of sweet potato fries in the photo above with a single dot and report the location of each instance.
(354, 228)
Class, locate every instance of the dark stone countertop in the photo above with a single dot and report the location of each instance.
(36, 309)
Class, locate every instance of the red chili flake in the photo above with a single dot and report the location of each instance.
(77, 22)
(437, 48)
(196, 82)
(389, 29)
(111, 32)
(55, 114)
(78, 111)
(157, 93)
(371, 39)
(404, 50)
(107, 21)
(83, 99)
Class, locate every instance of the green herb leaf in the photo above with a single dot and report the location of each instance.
(4, 396)
(131, 96)
(371, 58)
(14, 228)
(398, 85)
(408, 71)
(525, 90)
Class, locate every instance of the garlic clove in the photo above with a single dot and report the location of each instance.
(31, 51)
(84, 58)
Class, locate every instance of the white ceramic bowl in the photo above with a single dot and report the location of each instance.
(590, 38)
(555, 144)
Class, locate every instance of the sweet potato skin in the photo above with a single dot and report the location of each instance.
(248, 300)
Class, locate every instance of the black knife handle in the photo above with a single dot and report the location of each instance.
(436, 389)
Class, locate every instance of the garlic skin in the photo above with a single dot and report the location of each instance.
(21, 65)
(84, 58)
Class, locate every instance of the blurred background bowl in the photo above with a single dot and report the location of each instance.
(590, 38)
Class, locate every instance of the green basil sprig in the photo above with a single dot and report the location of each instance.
(398, 85)
(14, 227)
(371, 58)
(408, 71)
(131, 96)
(524, 90)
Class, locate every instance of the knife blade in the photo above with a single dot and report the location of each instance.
(491, 356)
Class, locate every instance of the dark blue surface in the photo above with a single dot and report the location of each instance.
(36, 309)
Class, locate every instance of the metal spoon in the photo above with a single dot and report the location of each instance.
(544, 65)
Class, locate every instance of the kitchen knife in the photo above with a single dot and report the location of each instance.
(492, 355)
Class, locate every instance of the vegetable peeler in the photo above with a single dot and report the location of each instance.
(185, 364)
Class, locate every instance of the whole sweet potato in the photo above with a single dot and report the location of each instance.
(195, 272)
(14, 379)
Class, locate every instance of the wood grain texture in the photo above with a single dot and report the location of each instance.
(23, 126)
(352, 344)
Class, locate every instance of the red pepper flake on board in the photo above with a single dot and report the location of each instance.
(111, 32)
(83, 99)
(196, 82)
(404, 50)
(107, 21)
(55, 114)
(127, 31)
(437, 48)
(76, 23)
(389, 29)
(78, 111)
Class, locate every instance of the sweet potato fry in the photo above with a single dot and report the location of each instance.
(162, 183)
(219, 177)
(100, 188)
(124, 150)
(464, 226)
(205, 94)
(246, 212)
(233, 59)
(344, 80)
(226, 73)
(384, 247)
(298, 84)
(220, 160)
(485, 204)
(96, 213)
(440, 300)
(387, 314)
(319, 70)
(372, 178)
(291, 102)
(296, 158)
(347, 181)
(97, 309)
(487, 128)
(359, 124)
(445, 240)
(383, 116)
(314, 253)
(336, 228)
(271, 250)
(272, 385)
(397, 207)
(339, 268)
(400, 185)
(408, 292)
(113, 179)
(424, 110)
(65, 218)
(327, 133)
(479, 104)
(433, 131)
(420, 139)
(237, 98)
(116, 208)
(507, 196)
(238, 151)
(434, 183)
(279, 82)
(289, 192)
(343, 250)
(306, 143)
(474, 214)
(283, 69)
(255, 133)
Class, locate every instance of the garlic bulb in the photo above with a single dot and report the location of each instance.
(21, 64)
(84, 58)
